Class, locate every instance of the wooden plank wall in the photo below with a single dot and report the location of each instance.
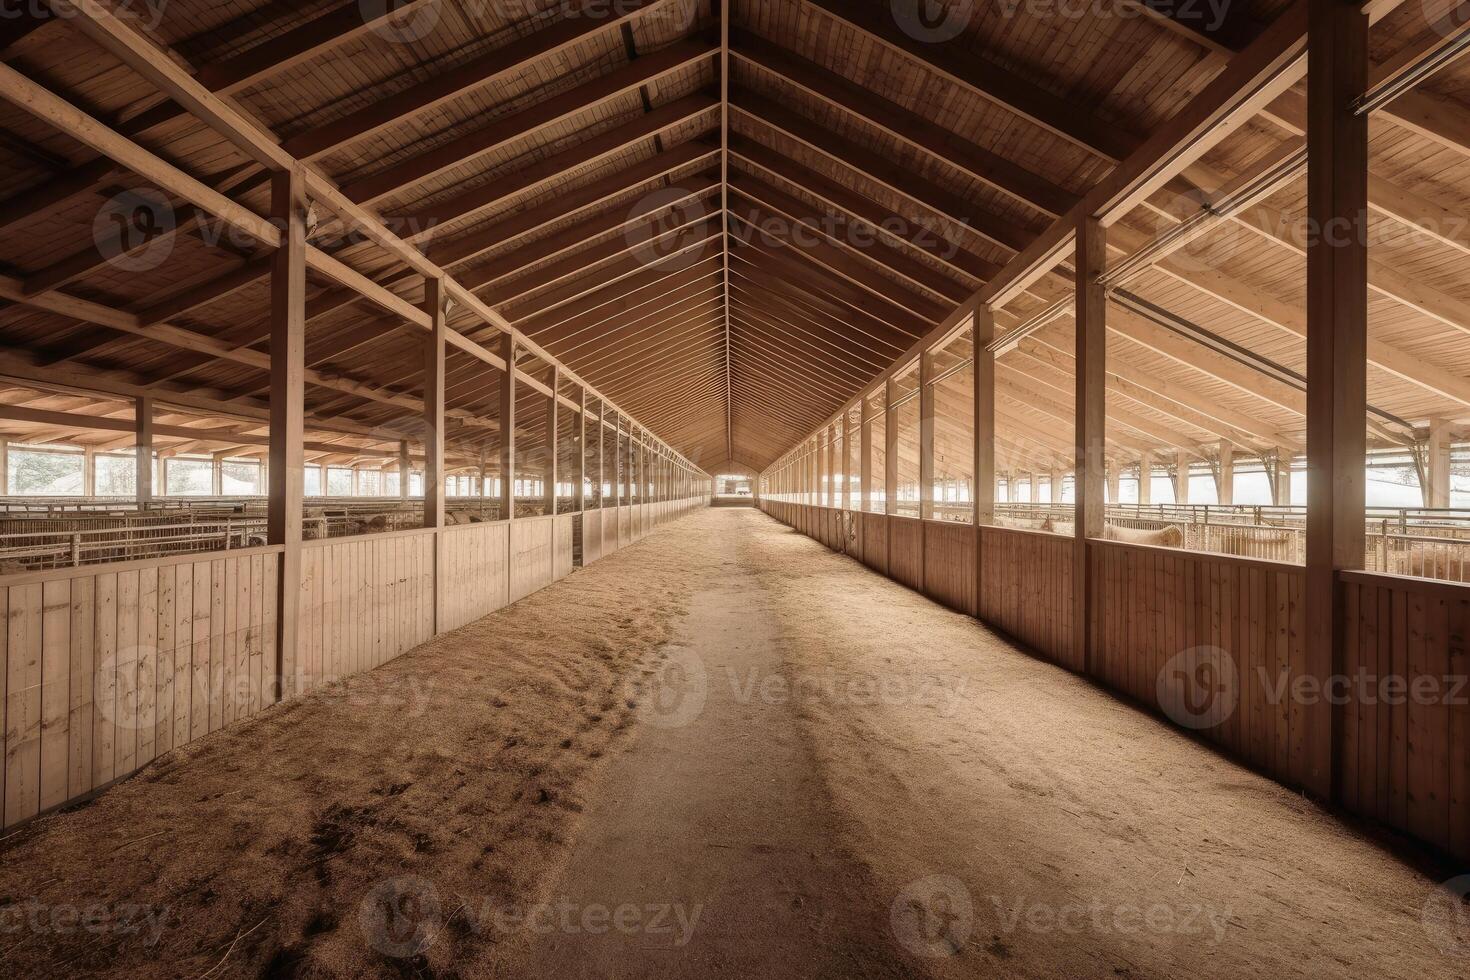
(875, 542)
(562, 548)
(610, 542)
(949, 565)
(591, 536)
(906, 551)
(1235, 626)
(104, 669)
(364, 601)
(1026, 589)
(1157, 613)
(476, 562)
(531, 564)
(1404, 758)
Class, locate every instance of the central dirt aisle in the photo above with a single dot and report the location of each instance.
(713, 837)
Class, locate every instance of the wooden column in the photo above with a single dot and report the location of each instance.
(403, 467)
(143, 426)
(286, 472)
(582, 449)
(1181, 478)
(1035, 487)
(1225, 488)
(508, 428)
(4, 466)
(1146, 478)
(1055, 485)
(553, 418)
(601, 455)
(1279, 467)
(434, 405)
(865, 457)
(1337, 333)
(89, 472)
(926, 435)
(1115, 481)
(1437, 465)
(982, 335)
(846, 461)
(890, 450)
(1091, 316)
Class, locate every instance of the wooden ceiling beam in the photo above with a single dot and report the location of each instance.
(1002, 231)
(956, 62)
(934, 141)
(527, 123)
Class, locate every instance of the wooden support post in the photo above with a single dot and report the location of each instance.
(601, 455)
(1091, 432)
(1181, 478)
(1225, 486)
(143, 424)
(89, 472)
(1337, 334)
(846, 461)
(982, 335)
(434, 404)
(890, 450)
(286, 473)
(1145, 479)
(1035, 488)
(1054, 483)
(553, 420)
(926, 435)
(508, 428)
(1279, 465)
(865, 457)
(403, 467)
(4, 466)
(1437, 493)
(1115, 482)
(582, 449)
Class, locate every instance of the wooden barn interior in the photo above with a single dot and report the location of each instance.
(784, 488)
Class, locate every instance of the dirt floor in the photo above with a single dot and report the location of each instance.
(722, 752)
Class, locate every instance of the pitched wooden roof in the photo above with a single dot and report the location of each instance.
(727, 218)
